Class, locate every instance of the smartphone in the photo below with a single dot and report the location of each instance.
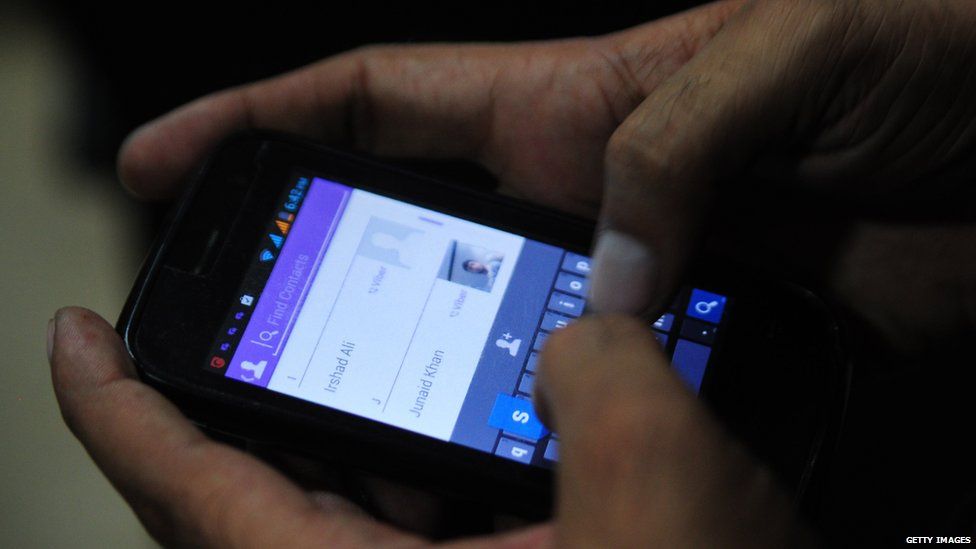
(330, 304)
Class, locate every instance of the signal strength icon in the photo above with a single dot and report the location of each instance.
(283, 227)
(266, 255)
(276, 240)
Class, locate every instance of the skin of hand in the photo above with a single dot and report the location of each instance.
(643, 461)
(835, 137)
(537, 115)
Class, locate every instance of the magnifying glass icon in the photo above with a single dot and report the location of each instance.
(705, 307)
(266, 335)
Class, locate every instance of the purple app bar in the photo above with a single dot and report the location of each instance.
(274, 314)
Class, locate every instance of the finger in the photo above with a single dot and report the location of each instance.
(534, 114)
(185, 488)
(332, 504)
(640, 458)
(408, 101)
(708, 122)
(409, 508)
(535, 537)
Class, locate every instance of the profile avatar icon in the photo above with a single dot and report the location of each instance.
(487, 265)
(471, 265)
(474, 266)
(401, 249)
(392, 243)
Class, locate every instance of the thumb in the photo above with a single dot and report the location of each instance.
(709, 121)
(641, 461)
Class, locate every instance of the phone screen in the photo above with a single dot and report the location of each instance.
(420, 320)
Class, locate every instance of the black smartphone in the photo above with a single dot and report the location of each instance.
(326, 303)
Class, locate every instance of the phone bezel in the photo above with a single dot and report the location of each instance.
(262, 165)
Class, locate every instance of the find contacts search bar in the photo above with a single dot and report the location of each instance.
(281, 300)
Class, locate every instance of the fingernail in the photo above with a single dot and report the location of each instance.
(623, 274)
(50, 339)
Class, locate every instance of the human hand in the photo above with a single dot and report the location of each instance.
(836, 138)
(537, 115)
(642, 462)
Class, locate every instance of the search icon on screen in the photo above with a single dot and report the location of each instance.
(705, 307)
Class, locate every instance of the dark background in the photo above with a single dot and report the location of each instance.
(904, 466)
(147, 58)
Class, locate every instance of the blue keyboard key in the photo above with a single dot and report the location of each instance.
(664, 323)
(699, 332)
(516, 416)
(515, 450)
(533, 361)
(706, 306)
(566, 304)
(527, 384)
(540, 340)
(552, 450)
(661, 338)
(690, 360)
(552, 321)
(571, 284)
(576, 263)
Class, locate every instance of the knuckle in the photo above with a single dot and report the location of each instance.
(634, 157)
(623, 146)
